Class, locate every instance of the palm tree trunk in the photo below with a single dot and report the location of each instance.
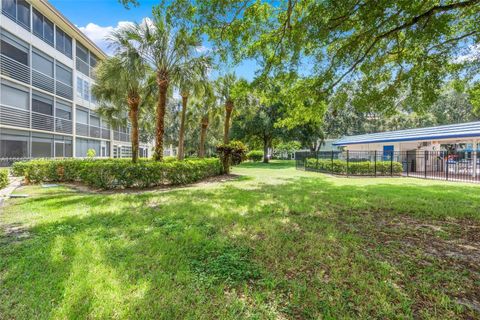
(133, 103)
(228, 115)
(162, 82)
(181, 136)
(203, 136)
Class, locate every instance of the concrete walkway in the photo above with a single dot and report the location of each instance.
(5, 193)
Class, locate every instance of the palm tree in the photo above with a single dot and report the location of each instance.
(170, 51)
(230, 91)
(190, 81)
(122, 79)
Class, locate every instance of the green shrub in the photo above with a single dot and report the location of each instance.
(355, 167)
(3, 178)
(255, 155)
(117, 173)
(91, 153)
(230, 154)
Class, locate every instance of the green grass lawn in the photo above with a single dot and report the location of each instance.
(271, 243)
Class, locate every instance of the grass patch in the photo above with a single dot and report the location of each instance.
(275, 243)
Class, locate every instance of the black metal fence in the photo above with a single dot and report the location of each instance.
(7, 162)
(441, 165)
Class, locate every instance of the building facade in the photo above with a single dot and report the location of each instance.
(46, 76)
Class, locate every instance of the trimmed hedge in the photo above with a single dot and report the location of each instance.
(117, 173)
(355, 168)
(255, 155)
(3, 178)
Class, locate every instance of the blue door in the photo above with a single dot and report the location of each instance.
(387, 153)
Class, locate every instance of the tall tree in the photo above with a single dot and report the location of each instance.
(123, 80)
(170, 51)
(191, 80)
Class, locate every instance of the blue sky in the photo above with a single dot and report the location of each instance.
(97, 18)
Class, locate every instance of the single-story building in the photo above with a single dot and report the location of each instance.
(448, 148)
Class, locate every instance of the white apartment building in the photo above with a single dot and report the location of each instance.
(46, 105)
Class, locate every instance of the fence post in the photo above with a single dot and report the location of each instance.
(348, 159)
(446, 174)
(407, 162)
(331, 171)
(391, 164)
(425, 156)
(375, 163)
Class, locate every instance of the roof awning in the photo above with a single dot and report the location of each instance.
(469, 130)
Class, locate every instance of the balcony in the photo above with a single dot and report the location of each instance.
(43, 81)
(14, 69)
(121, 136)
(105, 134)
(14, 117)
(95, 132)
(64, 90)
(82, 129)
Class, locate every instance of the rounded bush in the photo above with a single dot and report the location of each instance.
(3, 178)
(255, 155)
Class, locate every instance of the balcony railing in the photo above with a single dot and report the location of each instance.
(82, 129)
(64, 90)
(95, 132)
(43, 81)
(83, 67)
(15, 117)
(105, 134)
(14, 19)
(120, 136)
(14, 69)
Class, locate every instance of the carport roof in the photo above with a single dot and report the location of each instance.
(454, 131)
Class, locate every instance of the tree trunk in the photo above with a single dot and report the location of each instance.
(181, 136)
(133, 103)
(228, 115)
(265, 150)
(203, 136)
(162, 82)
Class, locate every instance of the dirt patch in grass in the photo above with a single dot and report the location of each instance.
(13, 233)
(451, 246)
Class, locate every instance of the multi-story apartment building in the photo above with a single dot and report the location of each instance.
(46, 105)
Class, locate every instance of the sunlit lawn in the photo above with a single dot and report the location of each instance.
(274, 243)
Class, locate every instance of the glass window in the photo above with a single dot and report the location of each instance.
(14, 97)
(93, 61)
(81, 147)
(13, 144)
(14, 51)
(82, 52)
(82, 116)
(63, 42)
(59, 149)
(94, 121)
(63, 111)
(42, 104)
(68, 148)
(23, 12)
(37, 23)
(95, 145)
(42, 64)
(8, 8)
(48, 31)
(64, 74)
(42, 146)
(86, 91)
(79, 87)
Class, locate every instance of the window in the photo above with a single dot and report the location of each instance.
(82, 116)
(14, 49)
(63, 42)
(63, 111)
(93, 61)
(81, 147)
(42, 104)
(64, 74)
(82, 59)
(42, 27)
(18, 11)
(94, 120)
(13, 144)
(63, 147)
(42, 146)
(14, 97)
(82, 52)
(95, 145)
(42, 64)
(83, 89)
(68, 148)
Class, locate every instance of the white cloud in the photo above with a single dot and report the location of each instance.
(472, 55)
(98, 34)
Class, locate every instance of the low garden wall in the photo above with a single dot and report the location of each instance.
(118, 173)
(364, 168)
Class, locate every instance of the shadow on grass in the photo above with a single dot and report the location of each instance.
(228, 253)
